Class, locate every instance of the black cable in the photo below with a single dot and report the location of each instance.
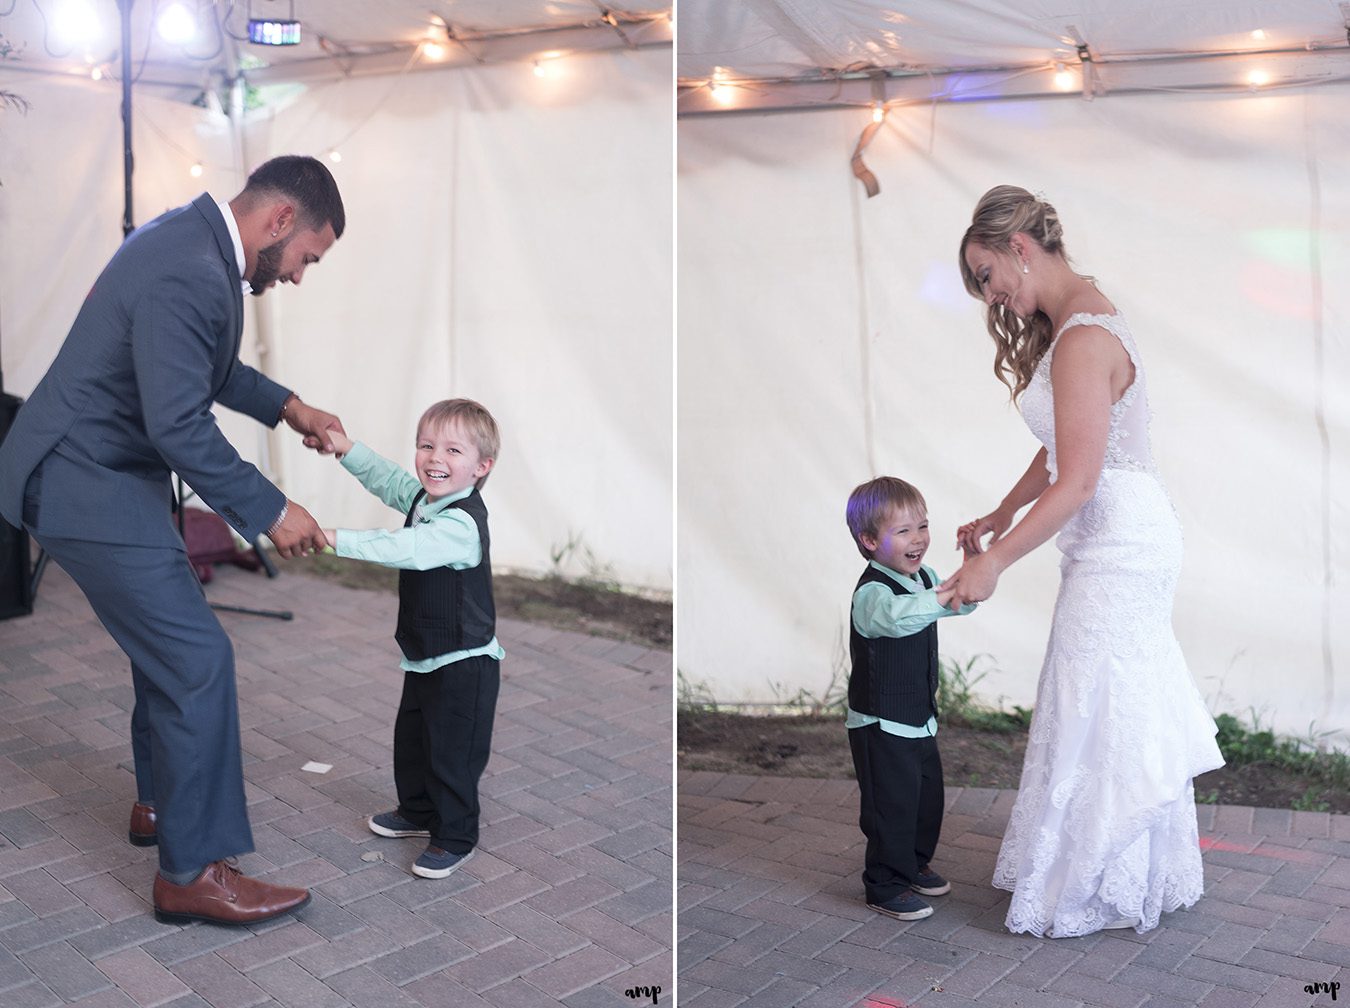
(225, 23)
(220, 39)
(149, 40)
(46, 31)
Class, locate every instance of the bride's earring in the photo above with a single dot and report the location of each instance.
(1024, 267)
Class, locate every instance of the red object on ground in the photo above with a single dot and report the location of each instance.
(209, 541)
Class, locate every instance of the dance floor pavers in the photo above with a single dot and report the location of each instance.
(771, 912)
(566, 902)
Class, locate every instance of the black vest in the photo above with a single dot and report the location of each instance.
(894, 678)
(443, 609)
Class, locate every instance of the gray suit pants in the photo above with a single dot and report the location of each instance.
(185, 724)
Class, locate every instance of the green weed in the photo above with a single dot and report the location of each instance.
(959, 705)
(1311, 801)
(694, 698)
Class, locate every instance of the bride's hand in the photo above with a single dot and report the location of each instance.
(968, 536)
(974, 582)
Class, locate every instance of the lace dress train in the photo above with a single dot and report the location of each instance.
(1104, 827)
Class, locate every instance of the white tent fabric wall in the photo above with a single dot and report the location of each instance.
(61, 200)
(509, 239)
(826, 338)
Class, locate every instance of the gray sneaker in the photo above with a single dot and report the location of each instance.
(436, 863)
(391, 824)
(905, 906)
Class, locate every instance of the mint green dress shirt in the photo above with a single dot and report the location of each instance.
(439, 536)
(880, 612)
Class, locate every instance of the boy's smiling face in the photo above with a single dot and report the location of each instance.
(448, 460)
(901, 541)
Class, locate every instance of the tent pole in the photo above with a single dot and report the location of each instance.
(125, 8)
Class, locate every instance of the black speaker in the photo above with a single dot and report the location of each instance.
(16, 565)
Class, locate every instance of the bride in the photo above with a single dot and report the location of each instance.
(1103, 833)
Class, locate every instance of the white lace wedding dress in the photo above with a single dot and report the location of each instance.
(1104, 827)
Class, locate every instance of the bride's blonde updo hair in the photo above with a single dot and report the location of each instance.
(1001, 213)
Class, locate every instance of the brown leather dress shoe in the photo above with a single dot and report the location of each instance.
(142, 832)
(222, 895)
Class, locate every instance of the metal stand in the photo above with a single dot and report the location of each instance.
(39, 565)
(268, 566)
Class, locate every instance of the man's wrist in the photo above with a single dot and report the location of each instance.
(280, 518)
(288, 407)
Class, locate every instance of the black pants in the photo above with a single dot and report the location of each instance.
(442, 739)
(900, 781)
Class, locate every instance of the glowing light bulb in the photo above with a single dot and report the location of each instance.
(1063, 79)
(75, 22)
(335, 156)
(1259, 35)
(196, 170)
(878, 112)
(177, 24)
(96, 73)
(539, 70)
(721, 94)
(433, 51)
(1258, 78)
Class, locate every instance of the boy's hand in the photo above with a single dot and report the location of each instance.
(944, 597)
(331, 536)
(342, 444)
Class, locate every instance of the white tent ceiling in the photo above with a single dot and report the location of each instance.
(779, 54)
(339, 38)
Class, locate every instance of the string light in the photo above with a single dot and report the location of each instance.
(96, 73)
(433, 51)
(548, 64)
(878, 112)
(1258, 78)
(1259, 35)
(1063, 79)
(177, 24)
(196, 170)
(75, 22)
(335, 156)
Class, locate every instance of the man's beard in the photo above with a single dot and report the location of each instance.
(268, 268)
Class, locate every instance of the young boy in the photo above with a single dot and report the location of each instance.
(446, 624)
(892, 697)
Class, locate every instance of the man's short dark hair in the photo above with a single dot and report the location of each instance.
(309, 183)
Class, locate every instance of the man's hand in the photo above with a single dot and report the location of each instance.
(316, 425)
(298, 533)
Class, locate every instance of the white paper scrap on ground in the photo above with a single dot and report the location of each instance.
(312, 767)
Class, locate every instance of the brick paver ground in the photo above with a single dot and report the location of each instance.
(566, 902)
(771, 913)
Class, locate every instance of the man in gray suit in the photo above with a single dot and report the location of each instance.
(86, 467)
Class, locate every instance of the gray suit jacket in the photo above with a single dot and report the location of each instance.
(128, 398)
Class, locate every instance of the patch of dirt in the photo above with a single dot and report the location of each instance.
(809, 745)
(568, 605)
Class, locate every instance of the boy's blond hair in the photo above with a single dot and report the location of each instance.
(871, 502)
(472, 416)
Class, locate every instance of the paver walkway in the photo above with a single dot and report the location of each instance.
(771, 912)
(567, 901)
